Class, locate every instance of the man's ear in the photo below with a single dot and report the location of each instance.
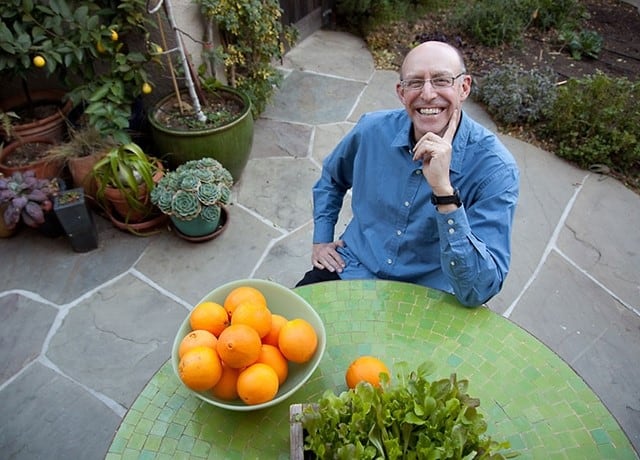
(400, 92)
(465, 87)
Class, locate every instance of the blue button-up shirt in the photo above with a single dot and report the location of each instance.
(396, 233)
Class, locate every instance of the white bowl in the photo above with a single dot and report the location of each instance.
(282, 301)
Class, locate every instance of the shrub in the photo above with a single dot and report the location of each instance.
(497, 22)
(361, 16)
(595, 121)
(493, 22)
(517, 96)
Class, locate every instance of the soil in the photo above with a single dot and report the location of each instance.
(220, 108)
(617, 22)
(26, 154)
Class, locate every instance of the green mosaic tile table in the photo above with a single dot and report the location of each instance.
(528, 394)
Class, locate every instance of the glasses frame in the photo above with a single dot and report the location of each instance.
(404, 83)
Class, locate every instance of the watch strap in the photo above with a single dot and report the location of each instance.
(447, 199)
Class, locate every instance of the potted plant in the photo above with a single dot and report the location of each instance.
(194, 195)
(97, 51)
(220, 123)
(125, 177)
(75, 218)
(30, 153)
(85, 147)
(25, 198)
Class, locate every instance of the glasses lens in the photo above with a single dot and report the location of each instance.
(442, 82)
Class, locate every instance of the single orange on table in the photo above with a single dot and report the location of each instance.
(298, 340)
(197, 338)
(257, 384)
(200, 368)
(365, 368)
(277, 321)
(239, 345)
(253, 314)
(226, 386)
(273, 357)
(242, 294)
(209, 316)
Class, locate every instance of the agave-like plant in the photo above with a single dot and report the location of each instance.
(195, 188)
(27, 197)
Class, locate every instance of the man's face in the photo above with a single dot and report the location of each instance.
(431, 106)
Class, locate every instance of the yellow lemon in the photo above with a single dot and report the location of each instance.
(39, 61)
(114, 35)
(100, 47)
(146, 88)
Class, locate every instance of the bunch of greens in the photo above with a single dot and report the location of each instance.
(411, 419)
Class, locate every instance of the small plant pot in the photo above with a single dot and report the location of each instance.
(76, 219)
(198, 230)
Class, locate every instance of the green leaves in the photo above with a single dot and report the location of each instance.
(412, 418)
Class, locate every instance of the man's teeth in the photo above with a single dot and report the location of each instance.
(434, 111)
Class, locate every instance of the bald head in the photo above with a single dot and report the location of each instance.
(432, 53)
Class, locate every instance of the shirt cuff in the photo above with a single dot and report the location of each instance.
(452, 226)
(322, 232)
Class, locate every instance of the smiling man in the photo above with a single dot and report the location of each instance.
(433, 192)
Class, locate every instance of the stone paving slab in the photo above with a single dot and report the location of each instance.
(606, 212)
(44, 415)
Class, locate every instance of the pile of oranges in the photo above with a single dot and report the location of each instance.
(240, 349)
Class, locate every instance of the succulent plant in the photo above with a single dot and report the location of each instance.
(195, 188)
(27, 197)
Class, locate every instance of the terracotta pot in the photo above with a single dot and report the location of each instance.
(119, 204)
(143, 228)
(45, 168)
(81, 168)
(52, 127)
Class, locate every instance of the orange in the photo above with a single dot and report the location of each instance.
(200, 368)
(226, 386)
(271, 356)
(242, 294)
(257, 384)
(298, 340)
(197, 338)
(365, 368)
(239, 346)
(277, 321)
(253, 314)
(209, 316)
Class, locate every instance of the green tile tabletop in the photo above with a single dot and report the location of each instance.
(528, 395)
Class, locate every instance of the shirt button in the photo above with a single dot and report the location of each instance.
(452, 263)
(452, 231)
(399, 232)
(406, 204)
(418, 172)
(450, 221)
(389, 261)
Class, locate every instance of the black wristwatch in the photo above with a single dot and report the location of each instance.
(449, 199)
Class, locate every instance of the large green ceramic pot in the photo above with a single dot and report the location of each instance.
(229, 144)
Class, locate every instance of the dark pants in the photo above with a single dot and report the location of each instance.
(317, 275)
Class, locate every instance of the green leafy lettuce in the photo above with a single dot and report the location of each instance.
(412, 418)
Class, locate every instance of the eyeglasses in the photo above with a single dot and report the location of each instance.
(436, 83)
